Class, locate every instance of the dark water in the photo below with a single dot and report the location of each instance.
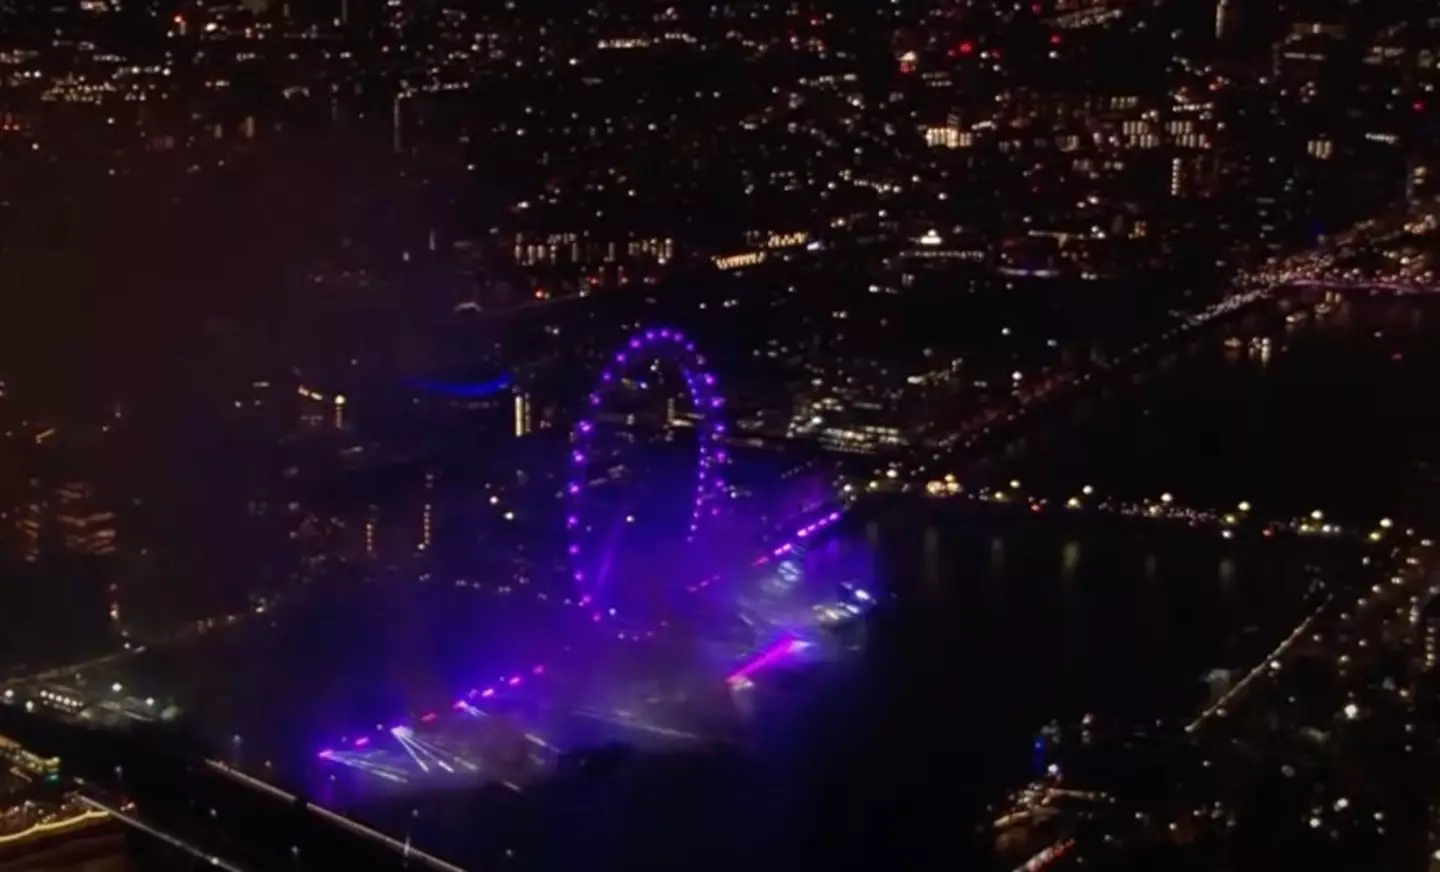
(1336, 416)
(1006, 621)
(1066, 615)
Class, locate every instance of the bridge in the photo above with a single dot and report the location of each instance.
(1401, 239)
(1400, 286)
(1241, 519)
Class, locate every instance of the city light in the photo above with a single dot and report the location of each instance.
(307, 387)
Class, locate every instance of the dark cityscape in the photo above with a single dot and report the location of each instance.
(475, 435)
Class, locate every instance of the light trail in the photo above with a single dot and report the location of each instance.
(398, 733)
(416, 745)
(1217, 708)
(192, 850)
(441, 754)
(357, 761)
(38, 830)
(1046, 856)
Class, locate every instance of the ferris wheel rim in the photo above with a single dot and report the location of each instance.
(674, 347)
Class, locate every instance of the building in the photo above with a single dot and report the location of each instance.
(85, 527)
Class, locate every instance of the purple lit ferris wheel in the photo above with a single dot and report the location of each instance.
(673, 348)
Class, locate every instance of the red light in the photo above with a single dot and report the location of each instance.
(967, 47)
(1036, 9)
(1419, 105)
(1054, 39)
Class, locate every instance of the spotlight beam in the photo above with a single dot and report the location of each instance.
(397, 733)
(412, 744)
(776, 653)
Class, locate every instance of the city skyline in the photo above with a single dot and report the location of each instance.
(933, 417)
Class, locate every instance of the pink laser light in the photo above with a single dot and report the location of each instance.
(771, 656)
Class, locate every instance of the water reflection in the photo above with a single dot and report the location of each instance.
(1067, 617)
(930, 573)
(1226, 576)
(997, 558)
(1069, 560)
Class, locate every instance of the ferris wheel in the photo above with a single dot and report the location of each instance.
(586, 544)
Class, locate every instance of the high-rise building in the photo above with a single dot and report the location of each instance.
(84, 527)
(30, 524)
(65, 542)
